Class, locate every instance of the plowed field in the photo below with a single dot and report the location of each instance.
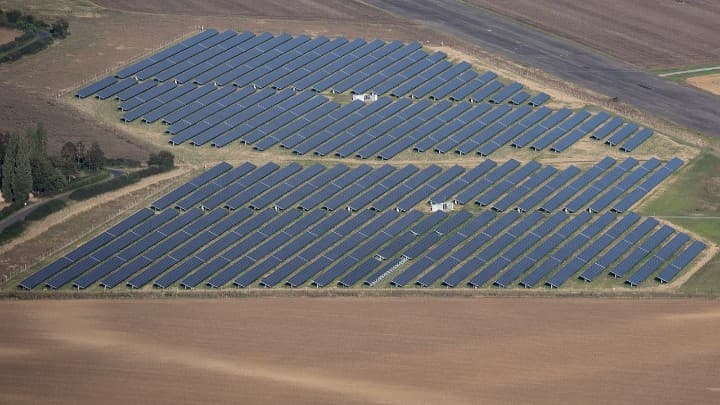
(647, 33)
(360, 351)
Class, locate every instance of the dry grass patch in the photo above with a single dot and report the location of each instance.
(709, 83)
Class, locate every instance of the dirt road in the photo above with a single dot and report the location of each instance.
(360, 350)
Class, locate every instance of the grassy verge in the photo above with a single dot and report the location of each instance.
(693, 202)
(706, 281)
(93, 190)
(41, 212)
(694, 193)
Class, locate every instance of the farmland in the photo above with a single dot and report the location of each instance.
(599, 342)
(359, 350)
(646, 33)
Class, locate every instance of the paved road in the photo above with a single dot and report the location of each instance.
(683, 105)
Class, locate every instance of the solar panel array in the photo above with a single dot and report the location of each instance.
(298, 225)
(222, 87)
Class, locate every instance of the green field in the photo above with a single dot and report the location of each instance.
(692, 201)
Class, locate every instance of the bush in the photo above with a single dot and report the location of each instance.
(93, 190)
(31, 48)
(164, 159)
(12, 231)
(7, 211)
(122, 162)
(45, 210)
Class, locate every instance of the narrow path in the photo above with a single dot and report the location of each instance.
(686, 216)
(682, 72)
(21, 214)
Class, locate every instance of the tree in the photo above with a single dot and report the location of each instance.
(59, 28)
(95, 158)
(17, 178)
(80, 152)
(163, 159)
(41, 167)
(67, 162)
(46, 177)
(4, 139)
(13, 16)
(39, 137)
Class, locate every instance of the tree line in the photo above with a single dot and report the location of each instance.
(37, 34)
(26, 167)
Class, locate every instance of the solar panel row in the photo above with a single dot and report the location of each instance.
(320, 64)
(213, 113)
(205, 243)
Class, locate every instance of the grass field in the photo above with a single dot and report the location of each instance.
(692, 201)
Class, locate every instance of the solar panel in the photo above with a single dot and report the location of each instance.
(539, 99)
(619, 249)
(551, 262)
(637, 255)
(509, 255)
(661, 256)
(557, 132)
(448, 192)
(251, 235)
(505, 93)
(523, 189)
(254, 190)
(485, 91)
(622, 134)
(358, 187)
(488, 233)
(680, 261)
(334, 187)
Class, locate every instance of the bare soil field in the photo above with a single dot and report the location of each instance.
(646, 33)
(20, 111)
(710, 83)
(346, 350)
(303, 10)
(8, 34)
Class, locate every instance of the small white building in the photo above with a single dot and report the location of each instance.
(442, 206)
(365, 97)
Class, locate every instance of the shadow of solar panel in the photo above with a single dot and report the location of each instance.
(248, 259)
(358, 188)
(254, 190)
(238, 185)
(485, 91)
(505, 93)
(661, 256)
(448, 192)
(487, 234)
(619, 249)
(252, 233)
(681, 261)
(622, 134)
(335, 186)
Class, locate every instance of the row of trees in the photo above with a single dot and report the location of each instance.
(37, 34)
(26, 167)
(29, 23)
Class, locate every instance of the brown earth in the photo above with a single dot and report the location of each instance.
(360, 351)
(710, 83)
(647, 33)
(20, 111)
(8, 34)
(303, 9)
